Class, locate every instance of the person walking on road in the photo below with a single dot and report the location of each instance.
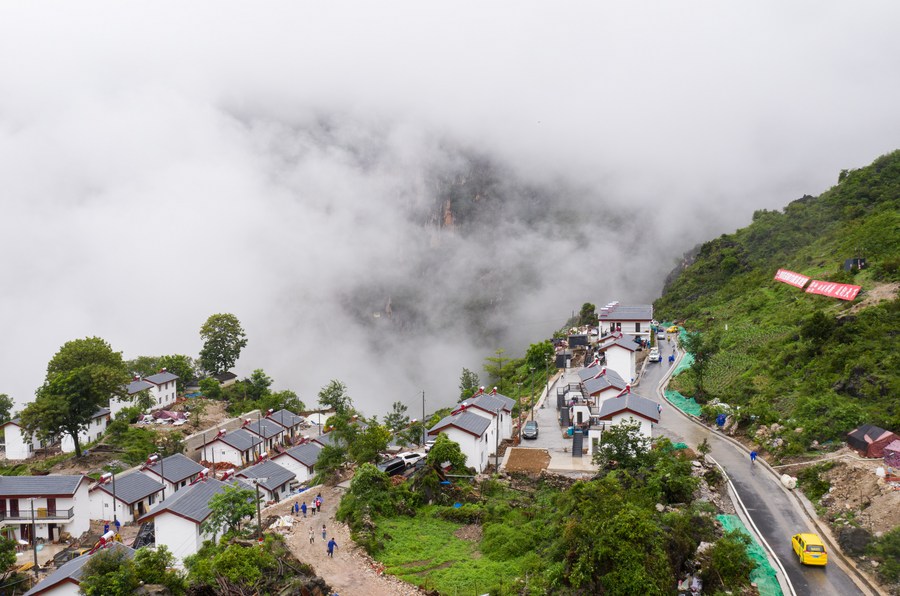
(323, 531)
(752, 457)
(303, 508)
(312, 535)
(313, 508)
(331, 546)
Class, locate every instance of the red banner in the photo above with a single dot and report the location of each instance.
(789, 277)
(835, 290)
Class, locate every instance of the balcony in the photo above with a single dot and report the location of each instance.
(41, 516)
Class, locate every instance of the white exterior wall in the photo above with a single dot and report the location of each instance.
(645, 428)
(621, 360)
(102, 507)
(164, 395)
(65, 588)
(289, 463)
(474, 448)
(506, 422)
(16, 445)
(93, 432)
(180, 535)
(218, 451)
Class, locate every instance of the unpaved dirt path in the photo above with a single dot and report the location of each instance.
(351, 571)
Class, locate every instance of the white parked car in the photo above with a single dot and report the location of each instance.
(410, 458)
(654, 355)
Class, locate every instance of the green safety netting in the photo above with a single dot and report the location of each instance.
(685, 404)
(763, 575)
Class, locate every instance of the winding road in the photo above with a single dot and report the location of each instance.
(776, 513)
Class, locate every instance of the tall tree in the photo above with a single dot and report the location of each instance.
(468, 384)
(223, 339)
(539, 356)
(6, 406)
(334, 396)
(81, 378)
(703, 346)
(499, 368)
(588, 315)
(229, 508)
(257, 386)
(397, 419)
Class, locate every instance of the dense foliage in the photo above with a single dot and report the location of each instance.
(112, 572)
(223, 339)
(633, 529)
(817, 365)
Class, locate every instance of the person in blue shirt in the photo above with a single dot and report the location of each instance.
(331, 546)
(752, 457)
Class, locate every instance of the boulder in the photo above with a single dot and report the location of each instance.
(854, 540)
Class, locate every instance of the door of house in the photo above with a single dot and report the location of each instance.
(14, 507)
(51, 507)
(25, 532)
(2, 508)
(140, 509)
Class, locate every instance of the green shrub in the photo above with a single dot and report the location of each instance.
(887, 550)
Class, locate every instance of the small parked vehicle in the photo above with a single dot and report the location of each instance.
(530, 430)
(654, 355)
(810, 549)
(410, 459)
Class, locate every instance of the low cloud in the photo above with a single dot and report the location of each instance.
(294, 164)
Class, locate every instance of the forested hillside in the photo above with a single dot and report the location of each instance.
(816, 364)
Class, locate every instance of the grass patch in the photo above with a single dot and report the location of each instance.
(423, 550)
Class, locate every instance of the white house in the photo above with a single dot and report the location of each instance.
(135, 387)
(273, 480)
(226, 379)
(125, 498)
(604, 384)
(474, 434)
(632, 320)
(49, 506)
(292, 423)
(16, 445)
(269, 431)
(237, 447)
(65, 581)
(301, 460)
(93, 432)
(175, 471)
(164, 388)
(491, 405)
(620, 356)
(178, 519)
(631, 407)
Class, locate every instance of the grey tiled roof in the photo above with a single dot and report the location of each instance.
(610, 379)
(624, 342)
(286, 418)
(272, 474)
(586, 373)
(265, 428)
(132, 488)
(491, 403)
(466, 421)
(326, 439)
(192, 502)
(72, 570)
(307, 454)
(240, 440)
(225, 376)
(176, 467)
(139, 385)
(161, 377)
(639, 405)
(39, 486)
(628, 312)
(101, 412)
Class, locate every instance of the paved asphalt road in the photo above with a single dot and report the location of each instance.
(776, 514)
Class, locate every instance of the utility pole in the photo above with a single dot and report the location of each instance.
(115, 519)
(34, 540)
(424, 430)
(497, 443)
(531, 374)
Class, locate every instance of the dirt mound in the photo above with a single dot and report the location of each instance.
(532, 461)
(860, 498)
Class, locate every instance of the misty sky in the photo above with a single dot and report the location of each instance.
(161, 162)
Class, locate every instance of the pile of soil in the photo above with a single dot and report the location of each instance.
(858, 493)
(527, 460)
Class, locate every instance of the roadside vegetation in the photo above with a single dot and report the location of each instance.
(816, 366)
(634, 528)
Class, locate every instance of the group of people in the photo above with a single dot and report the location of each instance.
(301, 508)
(297, 509)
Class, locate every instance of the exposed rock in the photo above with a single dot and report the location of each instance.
(854, 540)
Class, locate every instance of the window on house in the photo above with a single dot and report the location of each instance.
(637, 327)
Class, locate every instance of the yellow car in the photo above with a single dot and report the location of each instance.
(810, 549)
(672, 329)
